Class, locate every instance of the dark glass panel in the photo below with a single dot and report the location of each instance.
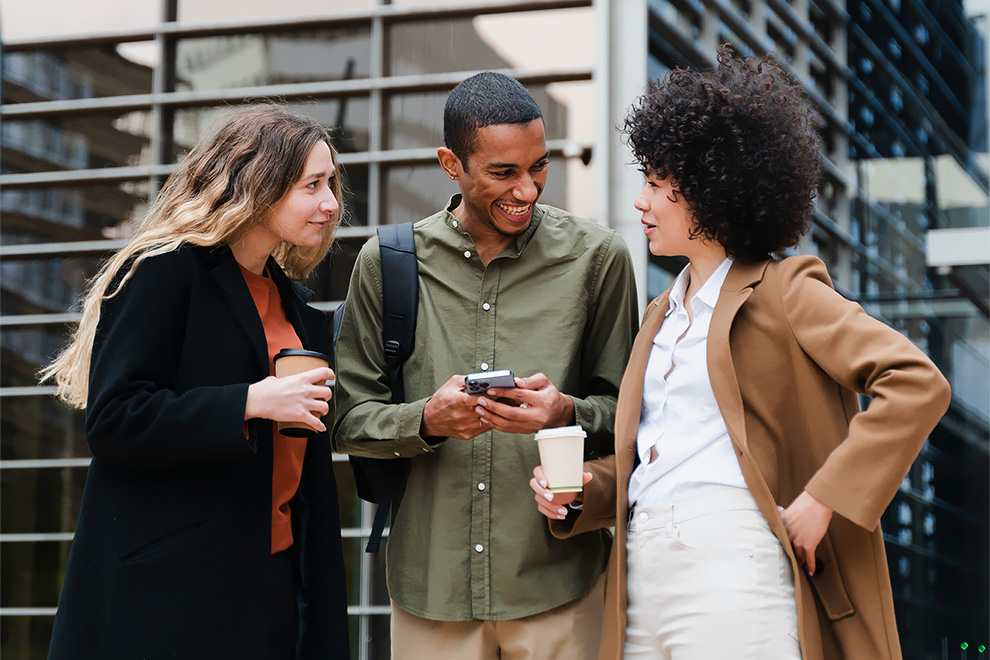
(43, 286)
(66, 214)
(90, 141)
(330, 279)
(347, 118)
(31, 573)
(77, 73)
(273, 58)
(416, 119)
(40, 427)
(350, 503)
(25, 637)
(515, 40)
(40, 500)
(26, 350)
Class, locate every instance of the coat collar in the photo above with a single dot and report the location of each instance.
(226, 273)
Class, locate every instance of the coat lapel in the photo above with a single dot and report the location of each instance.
(736, 289)
(235, 291)
(630, 403)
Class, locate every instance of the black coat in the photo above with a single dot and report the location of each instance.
(171, 557)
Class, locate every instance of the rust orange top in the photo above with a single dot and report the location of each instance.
(287, 453)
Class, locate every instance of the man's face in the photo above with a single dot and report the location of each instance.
(507, 171)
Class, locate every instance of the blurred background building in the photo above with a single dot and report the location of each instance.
(99, 100)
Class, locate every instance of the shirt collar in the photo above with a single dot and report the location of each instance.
(708, 294)
(521, 241)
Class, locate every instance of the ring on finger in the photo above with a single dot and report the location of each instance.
(524, 405)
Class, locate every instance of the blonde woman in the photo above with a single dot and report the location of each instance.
(203, 532)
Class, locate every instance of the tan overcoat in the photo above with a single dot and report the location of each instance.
(787, 355)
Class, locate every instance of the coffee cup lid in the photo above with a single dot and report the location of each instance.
(561, 431)
(299, 352)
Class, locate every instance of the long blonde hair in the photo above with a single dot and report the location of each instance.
(227, 184)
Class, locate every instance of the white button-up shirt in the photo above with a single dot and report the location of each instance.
(679, 415)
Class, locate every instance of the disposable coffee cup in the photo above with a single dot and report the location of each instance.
(562, 457)
(292, 361)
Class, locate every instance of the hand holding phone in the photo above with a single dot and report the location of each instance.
(479, 383)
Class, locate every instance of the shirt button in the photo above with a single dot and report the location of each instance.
(396, 453)
(486, 307)
(484, 366)
(481, 486)
(479, 548)
(642, 517)
(467, 253)
(453, 222)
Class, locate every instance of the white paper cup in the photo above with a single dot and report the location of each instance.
(562, 457)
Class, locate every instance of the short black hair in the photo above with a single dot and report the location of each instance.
(740, 143)
(485, 99)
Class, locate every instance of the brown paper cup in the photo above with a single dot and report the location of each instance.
(562, 457)
(289, 362)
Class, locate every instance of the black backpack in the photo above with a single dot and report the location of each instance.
(375, 478)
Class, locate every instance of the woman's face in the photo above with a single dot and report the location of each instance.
(667, 223)
(303, 216)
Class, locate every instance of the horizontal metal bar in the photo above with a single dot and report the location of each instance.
(36, 538)
(415, 156)
(91, 176)
(352, 610)
(75, 248)
(324, 89)
(312, 20)
(44, 463)
(33, 320)
(39, 390)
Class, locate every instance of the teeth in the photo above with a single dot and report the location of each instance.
(514, 210)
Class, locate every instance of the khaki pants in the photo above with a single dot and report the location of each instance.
(570, 632)
(708, 580)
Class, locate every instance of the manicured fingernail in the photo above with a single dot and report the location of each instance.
(483, 401)
(543, 482)
(562, 511)
(780, 508)
(548, 497)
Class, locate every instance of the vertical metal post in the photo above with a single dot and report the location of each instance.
(620, 77)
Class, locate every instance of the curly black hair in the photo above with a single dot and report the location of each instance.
(740, 142)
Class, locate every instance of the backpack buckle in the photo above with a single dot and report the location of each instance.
(392, 347)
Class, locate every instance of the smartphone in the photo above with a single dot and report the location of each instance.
(480, 382)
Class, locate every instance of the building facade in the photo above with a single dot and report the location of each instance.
(99, 102)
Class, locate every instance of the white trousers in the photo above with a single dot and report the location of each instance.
(708, 580)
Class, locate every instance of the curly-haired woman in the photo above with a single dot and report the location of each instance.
(204, 533)
(747, 487)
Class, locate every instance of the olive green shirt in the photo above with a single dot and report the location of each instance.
(466, 541)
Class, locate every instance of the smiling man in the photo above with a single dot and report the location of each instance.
(505, 283)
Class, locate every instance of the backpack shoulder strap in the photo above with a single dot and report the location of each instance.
(400, 297)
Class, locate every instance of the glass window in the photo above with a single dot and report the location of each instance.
(270, 58)
(347, 117)
(25, 350)
(39, 427)
(196, 11)
(31, 573)
(516, 40)
(44, 286)
(30, 635)
(40, 500)
(78, 73)
(78, 213)
(90, 141)
(28, 20)
(416, 119)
